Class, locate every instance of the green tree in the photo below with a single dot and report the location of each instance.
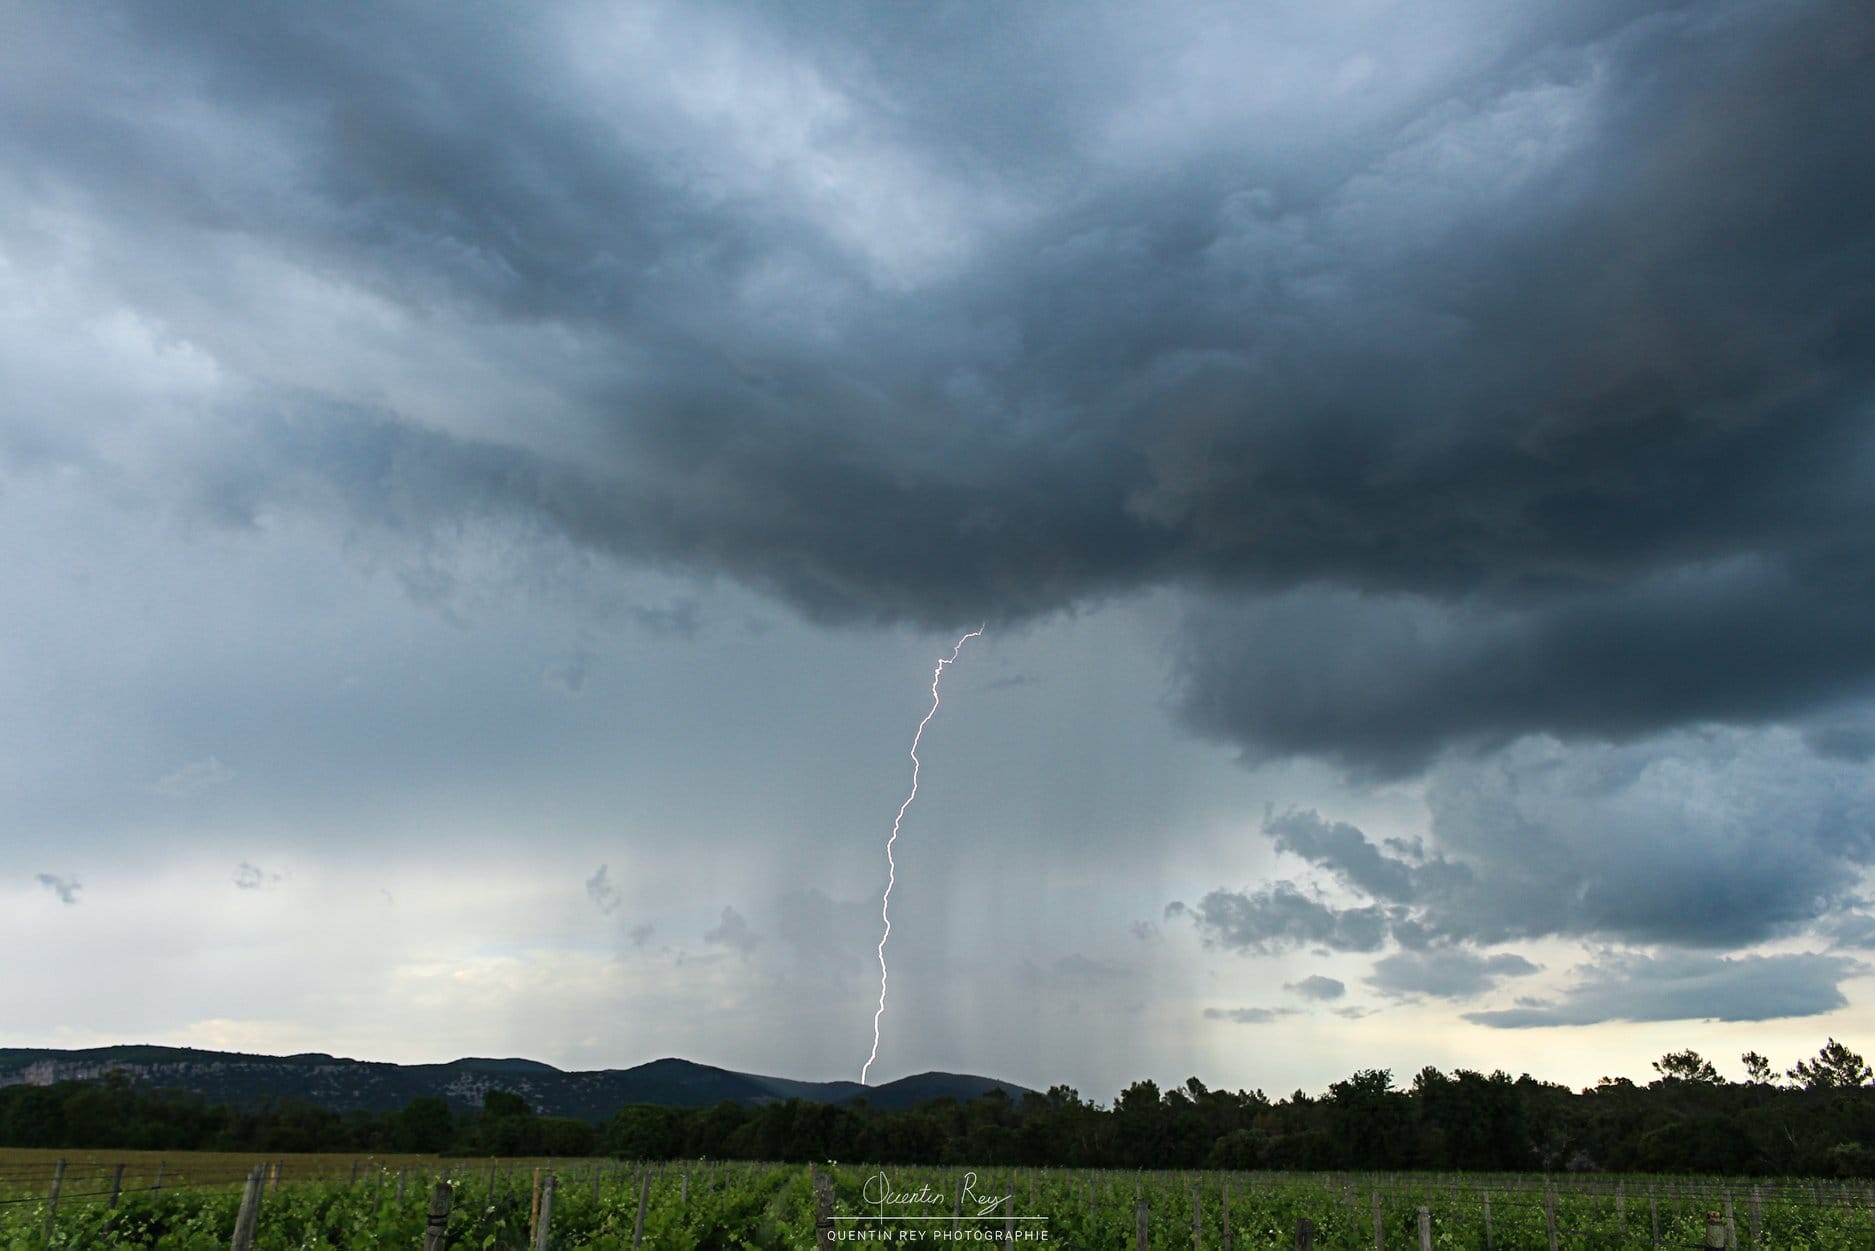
(1140, 1117)
(33, 1116)
(1835, 1068)
(565, 1136)
(507, 1125)
(707, 1133)
(644, 1131)
(1702, 1144)
(1370, 1122)
(504, 1103)
(424, 1124)
(1687, 1066)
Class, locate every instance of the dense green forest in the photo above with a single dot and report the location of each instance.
(1819, 1119)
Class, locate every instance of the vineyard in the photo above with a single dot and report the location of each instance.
(198, 1203)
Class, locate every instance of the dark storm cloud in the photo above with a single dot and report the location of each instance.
(1447, 974)
(1689, 987)
(1344, 850)
(1274, 918)
(1855, 930)
(1383, 682)
(1501, 374)
(1853, 743)
(1712, 840)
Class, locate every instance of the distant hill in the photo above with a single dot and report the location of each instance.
(343, 1085)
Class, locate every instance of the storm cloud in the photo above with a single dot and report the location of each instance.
(1448, 974)
(1714, 839)
(1639, 987)
(1278, 917)
(1687, 846)
(805, 304)
(546, 428)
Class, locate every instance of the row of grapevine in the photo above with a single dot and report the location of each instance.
(743, 1208)
(1107, 1211)
(740, 1207)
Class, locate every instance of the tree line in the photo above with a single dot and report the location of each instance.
(1818, 1119)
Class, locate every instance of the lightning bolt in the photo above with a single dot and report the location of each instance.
(891, 865)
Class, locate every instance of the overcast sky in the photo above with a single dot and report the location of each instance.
(483, 491)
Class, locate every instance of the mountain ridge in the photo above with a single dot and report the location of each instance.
(344, 1084)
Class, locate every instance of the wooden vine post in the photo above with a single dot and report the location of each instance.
(249, 1215)
(52, 1199)
(823, 1210)
(436, 1227)
(546, 1213)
